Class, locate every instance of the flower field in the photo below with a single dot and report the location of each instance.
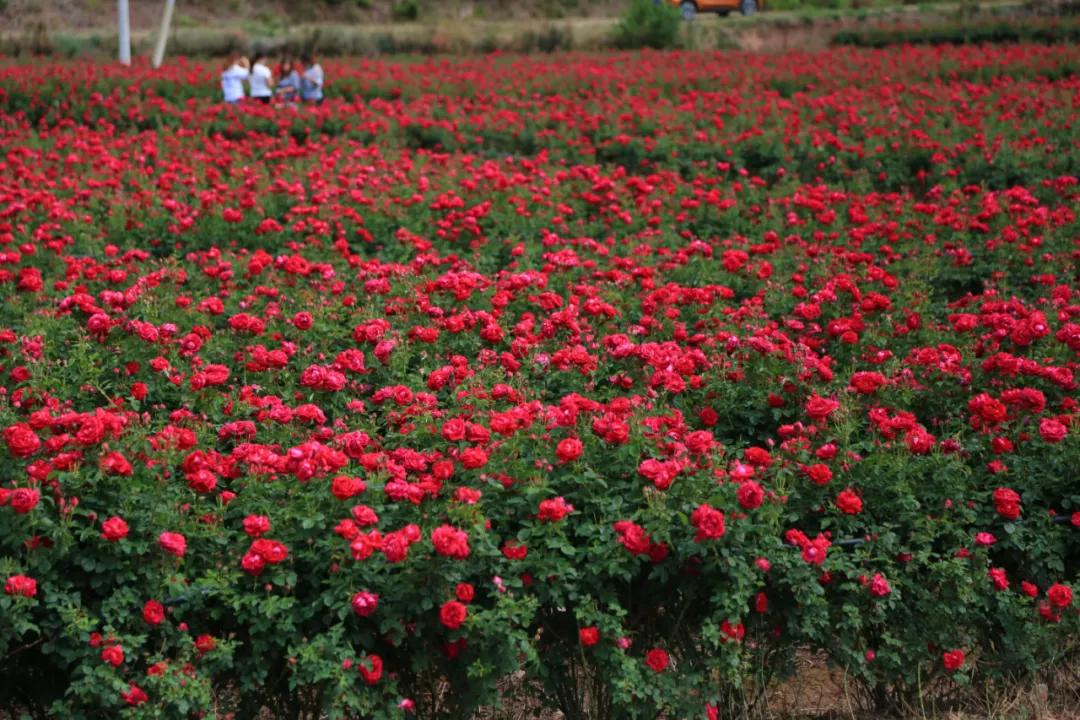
(626, 376)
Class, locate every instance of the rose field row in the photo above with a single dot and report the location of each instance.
(633, 373)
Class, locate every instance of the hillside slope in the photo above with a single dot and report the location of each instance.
(66, 15)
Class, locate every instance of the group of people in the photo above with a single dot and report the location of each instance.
(293, 81)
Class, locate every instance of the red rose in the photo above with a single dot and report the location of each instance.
(819, 408)
(919, 442)
(23, 500)
(849, 503)
(820, 474)
(750, 495)
(153, 612)
(699, 441)
(464, 592)
(589, 636)
(709, 522)
(364, 515)
(734, 260)
(395, 546)
(986, 409)
(371, 669)
(1007, 503)
(513, 550)
(759, 457)
(205, 643)
(302, 320)
(473, 458)
(660, 473)
(1052, 431)
(1059, 595)
(272, 551)
(138, 391)
(734, 632)
(256, 525)
(866, 383)
(452, 614)
(569, 450)
(344, 487)
(21, 585)
(365, 603)
(468, 496)
(450, 542)
(879, 586)
(657, 660)
(827, 451)
(173, 543)
(114, 529)
(113, 655)
(953, 660)
(1049, 613)
(633, 537)
(135, 695)
(202, 480)
(554, 510)
(814, 551)
(115, 463)
(252, 563)
(454, 430)
(21, 440)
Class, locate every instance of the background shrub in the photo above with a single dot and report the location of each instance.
(648, 24)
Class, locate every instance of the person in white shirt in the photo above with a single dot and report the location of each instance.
(311, 81)
(261, 80)
(232, 80)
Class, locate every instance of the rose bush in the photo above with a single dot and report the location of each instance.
(637, 373)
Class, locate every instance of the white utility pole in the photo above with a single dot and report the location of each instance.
(124, 31)
(163, 33)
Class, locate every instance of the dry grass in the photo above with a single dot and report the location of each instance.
(819, 692)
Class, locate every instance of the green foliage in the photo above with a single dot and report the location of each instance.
(648, 24)
(966, 33)
(406, 10)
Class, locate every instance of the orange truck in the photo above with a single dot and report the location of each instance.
(690, 8)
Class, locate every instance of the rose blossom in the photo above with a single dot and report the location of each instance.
(173, 543)
(657, 660)
(114, 529)
(452, 614)
(20, 585)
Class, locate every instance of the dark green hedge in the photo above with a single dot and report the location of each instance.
(998, 33)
